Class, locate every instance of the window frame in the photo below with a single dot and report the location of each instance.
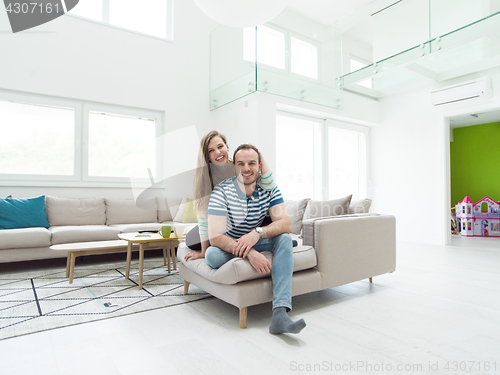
(311, 41)
(36, 100)
(124, 111)
(321, 183)
(288, 35)
(105, 21)
(80, 177)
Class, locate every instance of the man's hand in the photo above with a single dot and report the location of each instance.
(245, 243)
(259, 262)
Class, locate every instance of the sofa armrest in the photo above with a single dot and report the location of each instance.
(352, 247)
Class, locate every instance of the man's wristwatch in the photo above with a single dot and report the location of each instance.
(260, 231)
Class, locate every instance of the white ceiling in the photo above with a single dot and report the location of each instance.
(329, 11)
(326, 11)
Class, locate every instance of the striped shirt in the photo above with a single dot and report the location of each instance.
(266, 182)
(243, 213)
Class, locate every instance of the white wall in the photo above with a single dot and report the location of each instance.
(409, 158)
(78, 59)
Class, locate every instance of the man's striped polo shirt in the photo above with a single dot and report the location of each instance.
(243, 213)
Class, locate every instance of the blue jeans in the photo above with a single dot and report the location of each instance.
(281, 248)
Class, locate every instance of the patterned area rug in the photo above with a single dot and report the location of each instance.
(42, 300)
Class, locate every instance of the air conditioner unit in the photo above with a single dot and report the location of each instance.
(377, 6)
(463, 91)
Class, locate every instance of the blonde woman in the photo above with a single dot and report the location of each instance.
(213, 166)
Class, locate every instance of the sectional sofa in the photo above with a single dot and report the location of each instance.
(334, 247)
(52, 220)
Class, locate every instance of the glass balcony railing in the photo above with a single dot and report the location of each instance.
(403, 43)
(459, 37)
(280, 58)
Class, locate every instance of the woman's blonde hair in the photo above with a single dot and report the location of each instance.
(203, 180)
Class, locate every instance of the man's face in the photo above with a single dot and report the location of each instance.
(247, 166)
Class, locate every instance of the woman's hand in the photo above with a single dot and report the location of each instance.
(192, 255)
(245, 243)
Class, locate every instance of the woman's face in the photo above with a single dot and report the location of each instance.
(217, 151)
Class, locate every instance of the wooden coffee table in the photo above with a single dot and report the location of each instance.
(146, 242)
(79, 249)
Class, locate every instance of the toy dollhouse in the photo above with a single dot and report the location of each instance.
(478, 219)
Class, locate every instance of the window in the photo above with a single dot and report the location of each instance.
(347, 163)
(150, 17)
(320, 159)
(58, 141)
(298, 151)
(36, 140)
(304, 58)
(277, 48)
(271, 47)
(121, 146)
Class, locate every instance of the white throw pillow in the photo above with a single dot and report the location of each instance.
(179, 216)
(296, 210)
(360, 206)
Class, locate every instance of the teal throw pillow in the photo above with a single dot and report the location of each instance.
(23, 213)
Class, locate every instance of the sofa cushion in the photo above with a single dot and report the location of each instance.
(24, 238)
(239, 269)
(360, 206)
(128, 211)
(334, 207)
(82, 233)
(75, 211)
(23, 213)
(296, 210)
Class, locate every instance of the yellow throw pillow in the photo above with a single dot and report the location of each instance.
(189, 212)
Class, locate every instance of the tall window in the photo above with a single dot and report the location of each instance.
(346, 163)
(150, 17)
(320, 159)
(298, 162)
(277, 48)
(69, 142)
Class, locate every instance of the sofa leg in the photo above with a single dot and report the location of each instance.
(186, 287)
(371, 279)
(243, 317)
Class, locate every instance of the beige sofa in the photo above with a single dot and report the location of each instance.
(86, 220)
(331, 251)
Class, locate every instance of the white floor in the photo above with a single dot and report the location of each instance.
(439, 313)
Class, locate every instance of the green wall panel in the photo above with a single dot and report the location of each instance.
(475, 162)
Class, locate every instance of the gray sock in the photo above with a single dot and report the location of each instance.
(281, 323)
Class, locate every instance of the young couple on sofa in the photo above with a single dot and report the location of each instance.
(232, 198)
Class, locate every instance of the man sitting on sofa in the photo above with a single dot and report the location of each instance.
(236, 210)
